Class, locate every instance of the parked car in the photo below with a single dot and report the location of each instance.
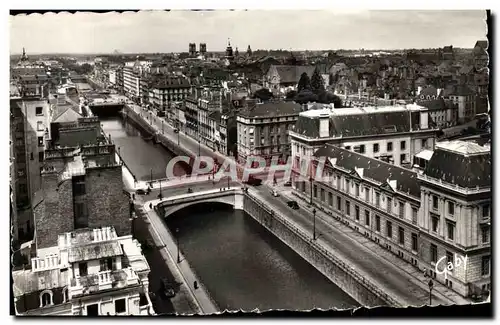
(288, 184)
(176, 131)
(274, 193)
(293, 204)
(140, 192)
(167, 289)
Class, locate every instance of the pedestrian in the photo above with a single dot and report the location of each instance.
(195, 285)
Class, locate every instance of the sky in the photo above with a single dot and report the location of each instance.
(161, 31)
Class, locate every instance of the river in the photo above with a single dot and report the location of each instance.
(241, 264)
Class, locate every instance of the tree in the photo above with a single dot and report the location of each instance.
(291, 94)
(263, 94)
(317, 82)
(304, 82)
(306, 96)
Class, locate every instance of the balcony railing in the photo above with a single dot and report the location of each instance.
(49, 262)
(102, 280)
(454, 187)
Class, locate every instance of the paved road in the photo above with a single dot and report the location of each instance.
(395, 281)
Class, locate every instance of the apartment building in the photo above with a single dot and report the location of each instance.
(420, 217)
(393, 134)
(29, 119)
(263, 129)
(164, 91)
(88, 272)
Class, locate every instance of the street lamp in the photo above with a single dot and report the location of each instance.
(178, 251)
(311, 186)
(431, 286)
(160, 196)
(162, 131)
(151, 177)
(314, 224)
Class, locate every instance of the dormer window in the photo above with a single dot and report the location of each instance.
(46, 298)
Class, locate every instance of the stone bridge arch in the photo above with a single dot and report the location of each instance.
(169, 207)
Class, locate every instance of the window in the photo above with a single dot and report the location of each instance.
(339, 203)
(362, 148)
(389, 229)
(82, 267)
(367, 217)
(401, 209)
(434, 253)
(39, 110)
(449, 257)
(377, 223)
(356, 186)
(39, 126)
(451, 208)
(414, 242)
(376, 147)
(414, 215)
(435, 222)
(93, 310)
(40, 156)
(347, 185)
(485, 238)
(451, 230)
(389, 146)
(486, 211)
(348, 208)
(106, 264)
(322, 193)
(40, 141)
(485, 265)
(347, 147)
(46, 298)
(403, 145)
(401, 232)
(402, 158)
(330, 199)
(120, 306)
(377, 199)
(434, 202)
(356, 211)
(32, 157)
(315, 190)
(389, 205)
(367, 194)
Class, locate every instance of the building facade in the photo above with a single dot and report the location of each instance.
(393, 134)
(421, 218)
(263, 130)
(92, 272)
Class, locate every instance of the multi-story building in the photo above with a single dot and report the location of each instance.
(394, 133)
(213, 136)
(164, 91)
(263, 129)
(131, 81)
(88, 272)
(30, 120)
(466, 100)
(119, 80)
(480, 55)
(423, 218)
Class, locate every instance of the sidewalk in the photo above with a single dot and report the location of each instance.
(415, 276)
(181, 271)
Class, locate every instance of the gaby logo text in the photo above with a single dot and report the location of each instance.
(443, 265)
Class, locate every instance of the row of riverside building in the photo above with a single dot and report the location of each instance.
(73, 250)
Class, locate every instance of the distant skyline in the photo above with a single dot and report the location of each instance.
(161, 31)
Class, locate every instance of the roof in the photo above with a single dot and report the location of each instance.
(462, 90)
(215, 115)
(27, 281)
(433, 104)
(367, 121)
(482, 44)
(292, 73)
(165, 83)
(425, 154)
(374, 169)
(94, 251)
(67, 115)
(461, 163)
(271, 109)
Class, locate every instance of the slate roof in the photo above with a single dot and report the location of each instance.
(461, 163)
(406, 180)
(292, 73)
(271, 109)
(67, 115)
(166, 83)
(360, 124)
(433, 104)
(94, 251)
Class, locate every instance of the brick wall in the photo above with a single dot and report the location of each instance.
(107, 204)
(54, 215)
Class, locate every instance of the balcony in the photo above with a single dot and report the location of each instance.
(103, 280)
